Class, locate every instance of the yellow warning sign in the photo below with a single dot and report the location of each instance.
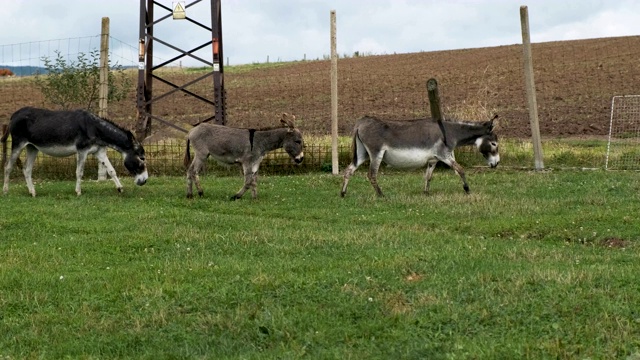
(178, 11)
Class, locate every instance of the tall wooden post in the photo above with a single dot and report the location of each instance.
(434, 104)
(334, 97)
(531, 89)
(104, 69)
(218, 64)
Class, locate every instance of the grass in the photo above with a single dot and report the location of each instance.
(529, 265)
(244, 68)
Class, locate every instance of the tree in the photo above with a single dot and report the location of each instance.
(70, 84)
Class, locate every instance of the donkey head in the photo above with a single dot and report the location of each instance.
(488, 144)
(292, 143)
(134, 161)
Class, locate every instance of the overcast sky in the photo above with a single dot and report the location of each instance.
(294, 29)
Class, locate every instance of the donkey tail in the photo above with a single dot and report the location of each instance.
(354, 147)
(187, 155)
(3, 139)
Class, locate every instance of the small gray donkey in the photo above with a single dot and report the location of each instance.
(246, 147)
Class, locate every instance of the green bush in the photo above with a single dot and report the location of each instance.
(70, 84)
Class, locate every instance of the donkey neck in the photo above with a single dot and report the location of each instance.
(464, 133)
(268, 139)
(111, 134)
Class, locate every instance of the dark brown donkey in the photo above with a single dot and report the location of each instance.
(66, 133)
(416, 143)
(246, 147)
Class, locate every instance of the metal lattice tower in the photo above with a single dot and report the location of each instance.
(145, 96)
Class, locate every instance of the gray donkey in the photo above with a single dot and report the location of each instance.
(246, 147)
(416, 143)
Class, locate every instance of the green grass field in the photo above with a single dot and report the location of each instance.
(529, 265)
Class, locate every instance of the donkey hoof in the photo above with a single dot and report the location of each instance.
(234, 198)
(120, 190)
(189, 196)
(466, 189)
(343, 193)
(201, 193)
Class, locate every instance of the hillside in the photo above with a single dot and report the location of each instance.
(25, 70)
(575, 82)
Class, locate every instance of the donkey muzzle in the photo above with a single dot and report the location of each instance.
(493, 160)
(298, 159)
(141, 179)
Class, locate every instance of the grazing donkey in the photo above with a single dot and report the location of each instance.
(246, 147)
(416, 143)
(64, 133)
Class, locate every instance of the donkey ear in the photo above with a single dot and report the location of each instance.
(288, 121)
(492, 122)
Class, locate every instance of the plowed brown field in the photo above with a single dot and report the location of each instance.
(575, 81)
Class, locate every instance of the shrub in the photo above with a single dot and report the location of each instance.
(76, 84)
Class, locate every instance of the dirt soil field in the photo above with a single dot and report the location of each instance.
(575, 82)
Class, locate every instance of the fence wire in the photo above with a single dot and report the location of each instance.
(575, 82)
(623, 148)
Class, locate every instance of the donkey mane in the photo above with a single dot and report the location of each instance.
(108, 121)
(268, 128)
(111, 129)
(450, 120)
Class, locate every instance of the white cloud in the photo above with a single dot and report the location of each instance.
(293, 29)
(368, 46)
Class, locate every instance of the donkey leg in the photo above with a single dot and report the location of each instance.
(192, 176)
(347, 174)
(7, 173)
(248, 180)
(428, 174)
(15, 153)
(102, 171)
(32, 152)
(373, 172)
(360, 155)
(254, 186)
(460, 171)
(196, 177)
(250, 171)
(81, 157)
(104, 163)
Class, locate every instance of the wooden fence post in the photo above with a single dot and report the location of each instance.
(104, 69)
(434, 104)
(334, 97)
(531, 89)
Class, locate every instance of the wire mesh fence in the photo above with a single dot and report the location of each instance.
(575, 82)
(166, 158)
(623, 148)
